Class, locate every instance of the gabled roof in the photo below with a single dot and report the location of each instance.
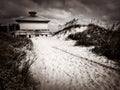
(32, 18)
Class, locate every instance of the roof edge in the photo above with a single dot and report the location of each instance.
(43, 21)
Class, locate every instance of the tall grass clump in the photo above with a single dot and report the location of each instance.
(111, 45)
(106, 42)
(93, 35)
(12, 57)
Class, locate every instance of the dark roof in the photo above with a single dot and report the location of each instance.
(32, 19)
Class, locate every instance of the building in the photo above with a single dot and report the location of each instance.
(32, 25)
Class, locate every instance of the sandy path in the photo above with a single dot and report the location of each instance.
(61, 66)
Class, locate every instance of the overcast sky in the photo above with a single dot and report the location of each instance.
(60, 11)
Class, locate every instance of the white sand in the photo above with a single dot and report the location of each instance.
(62, 66)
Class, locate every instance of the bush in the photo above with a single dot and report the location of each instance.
(111, 48)
(11, 55)
(106, 42)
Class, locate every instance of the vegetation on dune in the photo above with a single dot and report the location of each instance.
(67, 29)
(92, 36)
(106, 42)
(111, 45)
(12, 57)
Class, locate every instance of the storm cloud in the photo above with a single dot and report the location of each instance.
(60, 11)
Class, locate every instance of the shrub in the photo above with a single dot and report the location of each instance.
(111, 48)
(106, 42)
(11, 55)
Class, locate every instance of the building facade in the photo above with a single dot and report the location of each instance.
(33, 25)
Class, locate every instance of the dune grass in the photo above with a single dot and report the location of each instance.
(106, 42)
(12, 53)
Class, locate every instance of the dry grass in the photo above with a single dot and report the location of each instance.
(111, 45)
(12, 52)
(106, 42)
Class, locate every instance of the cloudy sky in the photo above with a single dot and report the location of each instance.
(60, 11)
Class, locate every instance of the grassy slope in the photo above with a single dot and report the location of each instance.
(106, 42)
(11, 54)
